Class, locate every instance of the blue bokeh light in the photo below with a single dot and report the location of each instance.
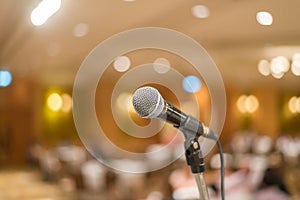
(191, 84)
(5, 78)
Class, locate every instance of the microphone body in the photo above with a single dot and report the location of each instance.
(148, 103)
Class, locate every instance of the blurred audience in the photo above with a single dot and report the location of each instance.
(256, 167)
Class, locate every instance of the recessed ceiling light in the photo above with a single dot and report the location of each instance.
(44, 11)
(200, 11)
(264, 18)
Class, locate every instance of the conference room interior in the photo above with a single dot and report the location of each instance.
(253, 49)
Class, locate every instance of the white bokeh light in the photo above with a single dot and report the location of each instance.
(264, 67)
(44, 11)
(279, 64)
(295, 68)
(200, 11)
(122, 63)
(161, 65)
(264, 18)
(278, 75)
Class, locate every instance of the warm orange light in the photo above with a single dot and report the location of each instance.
(247, 104)
(294, 105)
(66, 102)
(54, 102)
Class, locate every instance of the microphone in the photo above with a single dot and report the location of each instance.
(149, 103)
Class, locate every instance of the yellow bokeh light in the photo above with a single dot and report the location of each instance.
(251, 104)
(54, 102)
(241, 103)
(294, 105)
(124, 102)
(247, 104)
(66, 102)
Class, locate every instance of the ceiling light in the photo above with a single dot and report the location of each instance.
(200, 11)
(264, 18)
(44, 11)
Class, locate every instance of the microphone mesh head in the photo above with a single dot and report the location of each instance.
(148, 102)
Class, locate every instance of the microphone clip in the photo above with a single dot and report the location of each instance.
(192, 129)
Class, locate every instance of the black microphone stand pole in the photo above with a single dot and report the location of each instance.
(192, 130)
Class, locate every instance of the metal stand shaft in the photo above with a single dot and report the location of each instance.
(192, 130)
(199, 177)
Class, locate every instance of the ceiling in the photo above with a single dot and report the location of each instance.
(51, 54)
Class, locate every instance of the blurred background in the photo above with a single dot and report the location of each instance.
(255, 44)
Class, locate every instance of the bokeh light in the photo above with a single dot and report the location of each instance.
(264, 18)
(54, 102)
(161, 65)
(124, 102)
(200, 11)
(247, 104)
(295, 68)
(191, 84)
(44, 11)
(241, 103)
(294, 104)
(122, 63)
(66, 103)
(264, 67)
(5, 78)
(279, 64)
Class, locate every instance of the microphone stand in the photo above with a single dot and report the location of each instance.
(192, 131)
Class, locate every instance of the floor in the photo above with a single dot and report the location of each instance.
(27, 184)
